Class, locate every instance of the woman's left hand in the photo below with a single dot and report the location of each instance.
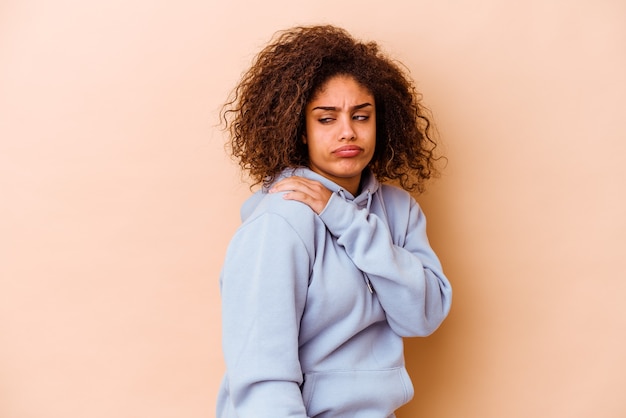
(310, 192)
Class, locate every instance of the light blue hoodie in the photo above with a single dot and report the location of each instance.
(314, 307)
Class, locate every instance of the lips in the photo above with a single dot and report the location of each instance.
(348, 151)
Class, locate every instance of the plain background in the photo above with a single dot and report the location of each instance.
(117, 200)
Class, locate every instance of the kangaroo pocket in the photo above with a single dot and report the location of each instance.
(356, 393)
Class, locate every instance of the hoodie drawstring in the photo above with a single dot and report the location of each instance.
(342, 193)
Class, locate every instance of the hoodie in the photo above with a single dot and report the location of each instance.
(314, 307)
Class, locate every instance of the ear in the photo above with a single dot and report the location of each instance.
(304, 138)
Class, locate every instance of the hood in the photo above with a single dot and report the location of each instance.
(369, 186)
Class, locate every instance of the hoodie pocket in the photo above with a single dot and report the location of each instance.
(362, 393)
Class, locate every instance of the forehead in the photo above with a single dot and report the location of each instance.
(342, 87)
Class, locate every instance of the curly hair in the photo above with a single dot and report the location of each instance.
(265, 114)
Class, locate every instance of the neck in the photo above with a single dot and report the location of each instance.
(352, 185)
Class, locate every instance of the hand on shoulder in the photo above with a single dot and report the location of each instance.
(310, 192)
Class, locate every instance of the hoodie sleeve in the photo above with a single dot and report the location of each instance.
(263, 287)
(404, 271)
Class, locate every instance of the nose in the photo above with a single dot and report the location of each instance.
(347, 130)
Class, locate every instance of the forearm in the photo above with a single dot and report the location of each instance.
(406, 274)
(263, 290)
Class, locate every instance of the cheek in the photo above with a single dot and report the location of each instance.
(313, 148)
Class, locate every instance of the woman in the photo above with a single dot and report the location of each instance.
(330, 268)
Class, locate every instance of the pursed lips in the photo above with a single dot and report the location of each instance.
(348, 151)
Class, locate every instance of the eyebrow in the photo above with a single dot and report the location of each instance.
(334, 108)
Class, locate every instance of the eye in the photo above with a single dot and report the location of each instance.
(361, 117)
(325, 121)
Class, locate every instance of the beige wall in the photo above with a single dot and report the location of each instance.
(117, 200)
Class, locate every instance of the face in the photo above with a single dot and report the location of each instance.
(341, 131)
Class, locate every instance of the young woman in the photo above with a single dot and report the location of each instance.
(330, 268)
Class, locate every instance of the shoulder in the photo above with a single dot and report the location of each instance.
(396, 197)
(403, 212)
(282, 215)
(291, 211)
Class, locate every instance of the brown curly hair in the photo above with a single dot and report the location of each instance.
(266, 120)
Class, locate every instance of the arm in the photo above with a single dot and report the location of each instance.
(263, 285)
(405, 272)
(407, 276)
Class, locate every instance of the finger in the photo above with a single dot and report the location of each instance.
(314, 202)
(294, 183)
(308, 192)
